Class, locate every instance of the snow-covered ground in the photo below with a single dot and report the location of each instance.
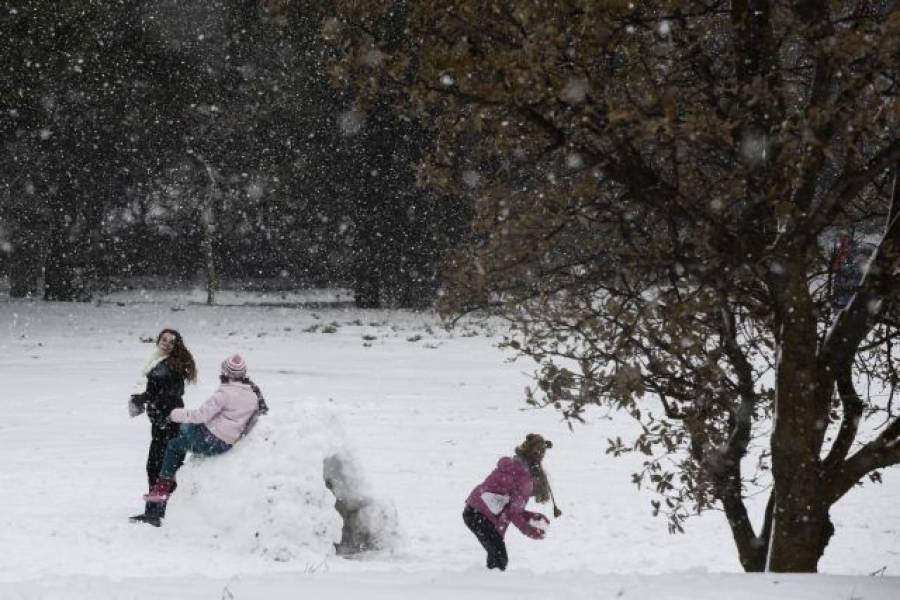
(423, 414)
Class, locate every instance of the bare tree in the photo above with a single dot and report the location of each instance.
(207, 211)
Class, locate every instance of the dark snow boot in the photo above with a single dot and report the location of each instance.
(152, 515)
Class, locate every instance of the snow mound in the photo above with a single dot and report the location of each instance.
(272, 494)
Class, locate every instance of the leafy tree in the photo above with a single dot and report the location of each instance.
(307, 187)
(660, 185)
(400, 233)
(169, 138)
(84, 124)
(46, 44)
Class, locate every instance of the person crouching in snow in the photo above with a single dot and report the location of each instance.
(501, 498)
(214, 427)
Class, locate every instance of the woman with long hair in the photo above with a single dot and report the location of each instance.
(169, 366)
(501, 498)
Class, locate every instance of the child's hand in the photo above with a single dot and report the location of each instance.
(538, 524)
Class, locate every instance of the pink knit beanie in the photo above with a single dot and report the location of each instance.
(234, 367)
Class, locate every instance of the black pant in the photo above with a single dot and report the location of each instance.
(490, 539)
(159, 438)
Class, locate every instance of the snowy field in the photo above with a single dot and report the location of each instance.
(422, 412)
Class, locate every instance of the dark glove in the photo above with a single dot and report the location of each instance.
(135, 405)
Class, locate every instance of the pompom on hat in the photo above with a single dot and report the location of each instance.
(234, 367)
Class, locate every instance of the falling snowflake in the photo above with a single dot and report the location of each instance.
(351, 122)
(255, 191)
(575, 91)
(471, 178)
(754, 147)
(574, 161)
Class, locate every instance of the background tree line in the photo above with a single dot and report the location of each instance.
(170, 138)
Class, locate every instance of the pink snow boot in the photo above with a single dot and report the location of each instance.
(160, 491)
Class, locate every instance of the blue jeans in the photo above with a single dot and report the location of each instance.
(194, 438)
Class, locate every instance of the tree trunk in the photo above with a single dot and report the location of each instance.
(59, 274)
(212, 277)
(801, 527)
(368, 267)
(25, 265)
(366, 292)
(751, 549)
(208, 222)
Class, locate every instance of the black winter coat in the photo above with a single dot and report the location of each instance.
(165, 387)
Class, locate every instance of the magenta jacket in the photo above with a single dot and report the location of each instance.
(226, 412)
(511, 479)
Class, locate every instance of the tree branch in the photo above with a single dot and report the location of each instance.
(748, 544)
(740, 435)
(883, 451)
(848, 187)
(875, 291)
(852, 409)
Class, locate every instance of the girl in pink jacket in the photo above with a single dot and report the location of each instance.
(214, 427)
(501, 498)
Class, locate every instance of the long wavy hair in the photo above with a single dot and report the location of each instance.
(180, 358)
(532, 452)
(541, 483)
